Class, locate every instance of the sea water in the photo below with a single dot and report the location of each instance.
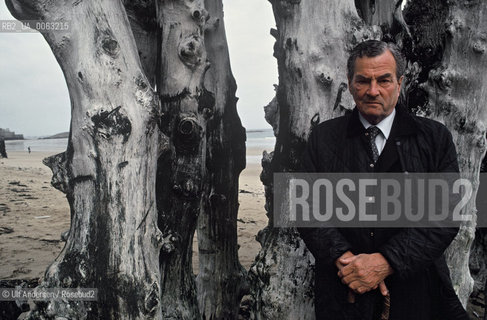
(44, 145)
(255, 139)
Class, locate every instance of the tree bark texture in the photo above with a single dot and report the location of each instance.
(181, 170)
(155, 142)
(108, 171)
(313, 40)
(446, 83)
(221, 281)
(478, 268)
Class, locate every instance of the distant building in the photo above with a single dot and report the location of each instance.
(10, 135)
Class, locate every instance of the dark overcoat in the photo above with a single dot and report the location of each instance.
(420, 287)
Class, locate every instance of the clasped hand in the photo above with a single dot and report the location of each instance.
(363, 272)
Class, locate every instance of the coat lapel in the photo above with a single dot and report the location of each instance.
(389, 156)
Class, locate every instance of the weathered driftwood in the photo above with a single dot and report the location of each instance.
(221, 280)
(181, 170)
(448, 85)
(108, 171)
(155, 142)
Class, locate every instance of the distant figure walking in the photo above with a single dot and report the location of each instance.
(3, 152)
(28, 148)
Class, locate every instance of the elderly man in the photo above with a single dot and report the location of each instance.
(379, 273)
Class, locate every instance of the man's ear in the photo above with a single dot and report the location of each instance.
(349, 85)
(400, 80)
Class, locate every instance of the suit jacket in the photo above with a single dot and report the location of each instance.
(420, 287)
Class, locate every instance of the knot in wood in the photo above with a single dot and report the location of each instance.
(200, 15)
(111, 47)
(187, 126)
(481, 143)
(196, 14)
(167, 247)
(191, 51)
(478, 47)
(140, 82)
(461, 122)
(67, 281)
(326, 80)
(167, 243)
(187, 138)
(442, 78)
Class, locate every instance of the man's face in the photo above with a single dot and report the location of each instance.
(374, 86)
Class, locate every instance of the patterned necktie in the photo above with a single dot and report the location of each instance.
(371, 134)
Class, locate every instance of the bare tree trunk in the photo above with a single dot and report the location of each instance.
(207, 155)
(221, 281)
(108, 171)
(448, 85)
(182, 170)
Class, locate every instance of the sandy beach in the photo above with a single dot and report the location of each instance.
(33, 215)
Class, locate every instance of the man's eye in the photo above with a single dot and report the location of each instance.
(385, 81)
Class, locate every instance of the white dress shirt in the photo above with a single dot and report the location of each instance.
(385, 127)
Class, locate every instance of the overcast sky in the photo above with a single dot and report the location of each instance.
(34, 99)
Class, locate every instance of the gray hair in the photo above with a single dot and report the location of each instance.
(374, 48)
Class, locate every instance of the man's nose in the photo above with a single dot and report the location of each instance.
(373, 90)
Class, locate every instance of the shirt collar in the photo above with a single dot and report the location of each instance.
(385, 125)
